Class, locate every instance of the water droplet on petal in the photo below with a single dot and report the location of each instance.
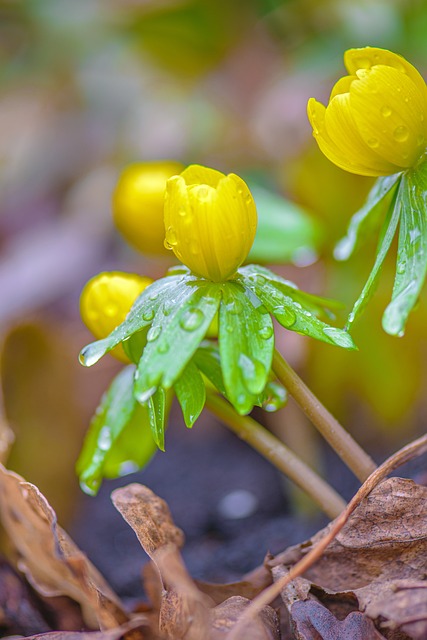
(401, 133)
(373, 143)
(154, 333)
(182, 213)
(171, 239)
(386, 111)
(192, 319)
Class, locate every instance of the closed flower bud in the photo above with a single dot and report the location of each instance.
(210, 221)
(376, 121)
(106, 300)
(138, 202)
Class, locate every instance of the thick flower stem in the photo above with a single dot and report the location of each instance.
(278, 454)
(348, 450)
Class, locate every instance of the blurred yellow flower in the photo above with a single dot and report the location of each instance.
(376, 121)
(210, 221)
(106, 300)
(138, 202)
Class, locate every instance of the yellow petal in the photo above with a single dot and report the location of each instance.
(198, 174)
(342, 86)
(138, 202)
(390, 114)
(107, 299)
(336, 137)
(367, 57)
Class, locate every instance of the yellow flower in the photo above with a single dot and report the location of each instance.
(210, 221)
(376, 121)
(106, 300)
(138, 202)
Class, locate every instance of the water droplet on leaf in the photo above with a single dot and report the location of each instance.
(192, 319)
(285, 316)
(154, 333)
(339, 337)
(266, 332)
(148, 315)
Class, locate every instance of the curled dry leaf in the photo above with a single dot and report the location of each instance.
(51, 561)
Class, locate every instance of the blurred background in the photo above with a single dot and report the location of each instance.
(87, 87)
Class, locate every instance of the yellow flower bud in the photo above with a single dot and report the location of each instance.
(106, 300)
(138, 202)
(376, 121)
(210, 221)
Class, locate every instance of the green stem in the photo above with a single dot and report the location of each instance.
(278, 454)
(348, 450)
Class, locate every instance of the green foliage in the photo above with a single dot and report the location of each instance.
(285, 232)
(119, 438)
(191, 393)
(403, 197)
(246, 346)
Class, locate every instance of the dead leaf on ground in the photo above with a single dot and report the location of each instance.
(51, 561)
(400, 603)
(125, 631)
(265, 626)
(379, 557)
(386, 537)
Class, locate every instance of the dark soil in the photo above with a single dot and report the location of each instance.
(232, 505)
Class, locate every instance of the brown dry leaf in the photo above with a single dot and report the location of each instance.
(401, 603)
(312, 621)
(265, 626)
(183, 608)
(385, 538)
(149, 517)
(125, 631)
(51, 561)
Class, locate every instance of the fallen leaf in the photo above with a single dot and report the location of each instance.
(397, 603)
(125, 631)
(385, 538)
(264, 626)
(51, 561)
(312, 621)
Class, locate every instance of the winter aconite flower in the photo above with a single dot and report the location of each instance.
(376, 121)
(210, 221)
(138, 201)
(106, 300)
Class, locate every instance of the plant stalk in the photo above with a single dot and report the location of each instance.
(278, 454)
(340, 440)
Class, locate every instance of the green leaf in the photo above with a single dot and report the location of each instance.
(119, 439)
(285, 232)
(387, 234)
(367, 219)
(292, 308)
(156, 406)
(140, 316)
(246, 343)
(178, 328)
(191, 393)
(208, 361)
(412, 251)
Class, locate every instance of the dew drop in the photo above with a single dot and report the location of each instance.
(401, 266)
(171, 239)
(154, 333)
(386, 111)
(163, 348)
(192, 319)
(260, 280)
(148, 315)
(253, 373)
(414, 234)
(248, 199)
(373, 143)
(104, 440)
(182, 213)
(285, 316)
(339, 337)
(234, 307)
(90, 487)
(401, 133)
(266, 332)
(153, 296)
